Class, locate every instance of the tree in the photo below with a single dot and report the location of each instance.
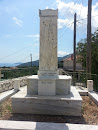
(81, 51)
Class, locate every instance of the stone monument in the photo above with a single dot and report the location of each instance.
(48, 92)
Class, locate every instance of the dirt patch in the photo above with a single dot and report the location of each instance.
(90, 111)
(89, 114)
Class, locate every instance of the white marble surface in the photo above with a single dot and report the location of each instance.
(94, 96)
(50, 105)
(47, 87)
(48, 12)
(48, 40)
(16, 84)
(90, 85)
(55, 86)
(27, 125)
(5, 95)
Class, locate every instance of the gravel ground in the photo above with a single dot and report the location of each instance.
(89, 114)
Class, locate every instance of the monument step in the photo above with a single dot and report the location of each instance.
(49, 105)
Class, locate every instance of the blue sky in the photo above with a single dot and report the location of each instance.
(19, 26)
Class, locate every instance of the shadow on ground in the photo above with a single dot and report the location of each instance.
(48, 118)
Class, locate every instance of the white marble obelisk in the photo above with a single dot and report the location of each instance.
(48, 64)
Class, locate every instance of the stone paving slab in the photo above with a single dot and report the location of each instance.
(26, 125)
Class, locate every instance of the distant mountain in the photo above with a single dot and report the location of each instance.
(36, 63)
(10, 64)
(64, 57)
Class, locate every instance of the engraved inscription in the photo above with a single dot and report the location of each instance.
(46, 82)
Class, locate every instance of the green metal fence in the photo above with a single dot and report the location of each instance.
(20, 72)
(81, 77)
(77, 77)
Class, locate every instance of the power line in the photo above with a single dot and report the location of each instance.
(66, 30)
(86, 18)
(14, 53)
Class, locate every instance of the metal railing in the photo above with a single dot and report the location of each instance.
(80, 78)
(20, 72)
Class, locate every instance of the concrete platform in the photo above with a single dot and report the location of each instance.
(50, 105)
(26, 125)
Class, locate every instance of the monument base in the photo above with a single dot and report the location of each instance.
(49, 105)
(49, 86)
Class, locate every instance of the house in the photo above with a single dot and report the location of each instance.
(68, 64)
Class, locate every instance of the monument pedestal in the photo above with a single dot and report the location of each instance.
(48, 86)
(49, 105)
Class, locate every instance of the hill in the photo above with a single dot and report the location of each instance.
(36, 63)
(10, 64)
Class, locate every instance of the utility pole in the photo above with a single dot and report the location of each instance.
(31, 59)
(0, 73)
(74, 55)
(88, 53)
(74, 48)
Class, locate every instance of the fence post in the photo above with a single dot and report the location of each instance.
(16, 84)
(90, 85)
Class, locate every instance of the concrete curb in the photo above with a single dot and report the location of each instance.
(5, 95)
(26, 125)
(94, 97)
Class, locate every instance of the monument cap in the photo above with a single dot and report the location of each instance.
(48, 13)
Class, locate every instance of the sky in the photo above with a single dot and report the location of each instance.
(20, 26)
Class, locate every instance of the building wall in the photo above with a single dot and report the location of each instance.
(68, 65)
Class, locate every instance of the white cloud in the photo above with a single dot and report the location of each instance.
(62, 53)
(37, 36)
(62, 22)
(67, 11)
(47, 7)
(17, 21)
(34, 44)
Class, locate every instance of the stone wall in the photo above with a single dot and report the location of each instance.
(9, 84)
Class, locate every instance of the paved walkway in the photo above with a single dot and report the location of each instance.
(25, 125)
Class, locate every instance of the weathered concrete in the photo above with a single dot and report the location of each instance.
(51, 105)
(26, 125)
